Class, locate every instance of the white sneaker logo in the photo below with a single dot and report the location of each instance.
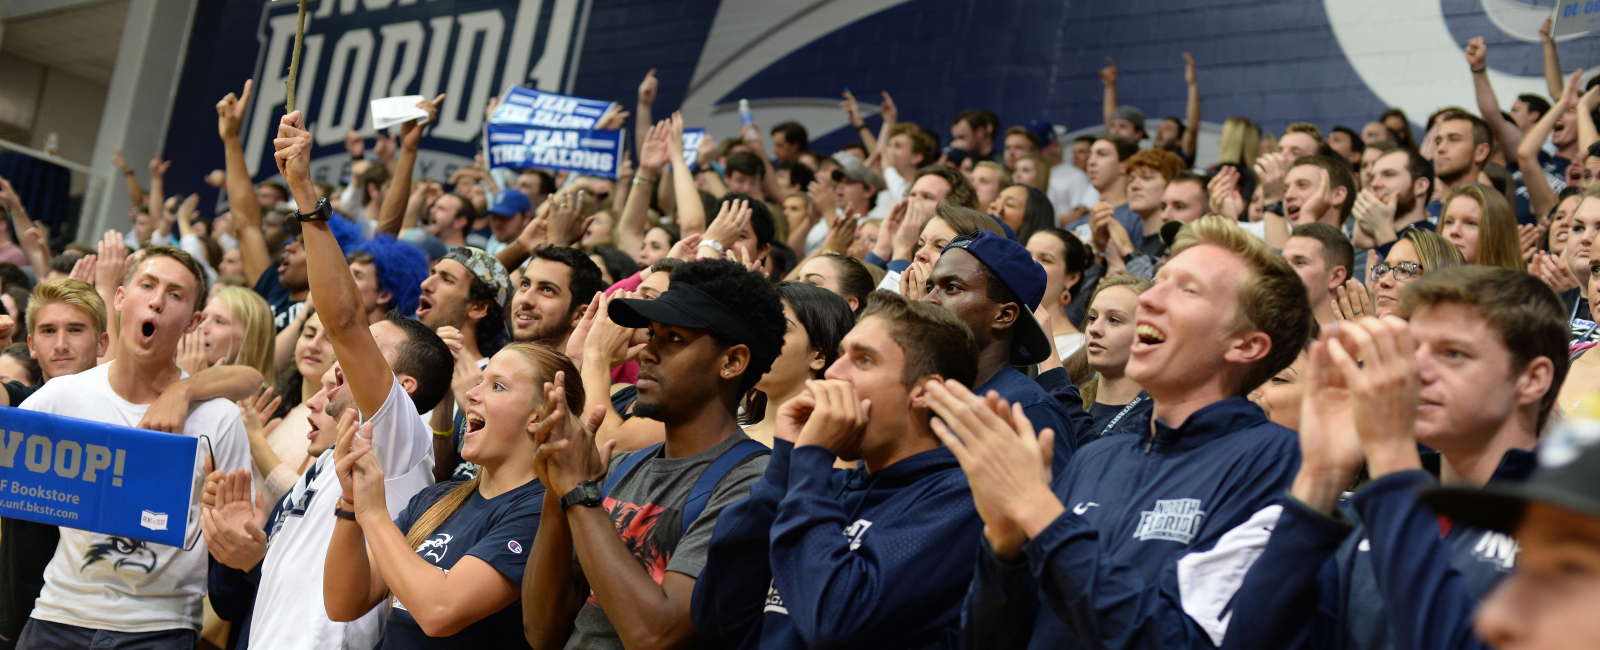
(1083, 507)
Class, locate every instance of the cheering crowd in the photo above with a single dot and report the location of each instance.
(976, 388)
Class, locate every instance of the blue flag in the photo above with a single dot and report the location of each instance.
(99, 477)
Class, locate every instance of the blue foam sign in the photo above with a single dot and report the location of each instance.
(596, 153)
(99, 477)
(530, 107)
(691, 145)
(533, 128)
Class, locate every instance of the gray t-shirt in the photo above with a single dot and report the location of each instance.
(647, 507)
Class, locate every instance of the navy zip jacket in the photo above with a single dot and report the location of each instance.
(1043, 410)
(1381, 574)
(1159, 530)
(824, 558)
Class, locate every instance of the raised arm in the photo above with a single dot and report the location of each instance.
(242, 203)
(24, 230)
(769, 176)
(1540, 195)
(1586, 129)
(135, 194)
(1506, 134)
(392, 215)
(1191, 132)
(691, 214)
(653, 155)
(891, 115)
(1108, 78)
(156, 200)
(1552, 59)
(852, 112)
(332, 288)
(641, 110)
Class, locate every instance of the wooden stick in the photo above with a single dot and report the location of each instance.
(294, 62)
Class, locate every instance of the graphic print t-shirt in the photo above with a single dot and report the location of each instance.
(121, 584)
(499, 531)
(647, 507)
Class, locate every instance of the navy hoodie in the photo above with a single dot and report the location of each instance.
(824, 558)
(1157, 534)
(1381, 574)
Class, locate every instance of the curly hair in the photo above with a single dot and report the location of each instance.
(748, 295)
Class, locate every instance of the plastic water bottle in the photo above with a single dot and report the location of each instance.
(746, 118)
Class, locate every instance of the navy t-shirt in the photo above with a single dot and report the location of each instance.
(1136, 420)
(499, 531)
(284, 307)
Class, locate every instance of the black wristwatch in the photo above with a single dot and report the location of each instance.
(586, 494)
(1276, 207)
(323, 212)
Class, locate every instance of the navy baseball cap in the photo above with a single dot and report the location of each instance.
(1024, 277)
(509, 203)
(1045, 131)
(683, 305)
(1569, 461)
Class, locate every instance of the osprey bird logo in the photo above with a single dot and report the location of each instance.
(129, 552)
(435, 547)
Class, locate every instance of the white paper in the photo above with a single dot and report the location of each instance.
(390, 111)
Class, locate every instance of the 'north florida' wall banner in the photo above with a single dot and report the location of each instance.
(99, 477)
(359, 51)
(532, 128)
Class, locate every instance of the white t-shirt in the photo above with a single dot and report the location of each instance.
(1066, 344)
(103, 582)
(1257, 228)
(289, 611)
(1070, 188)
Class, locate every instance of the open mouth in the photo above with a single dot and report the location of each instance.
(147, 329)
(312, 434)
(424, 304)
(526, 316)
(1149, 336)
(474, 423)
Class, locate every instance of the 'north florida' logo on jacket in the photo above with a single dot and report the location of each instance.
(1173, 520)
(856, 531)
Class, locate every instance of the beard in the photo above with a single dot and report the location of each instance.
(1405, 201)
(648, 409)
(440, 316)
(544, 329)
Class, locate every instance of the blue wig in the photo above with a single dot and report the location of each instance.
(346, 233)
(401, 270)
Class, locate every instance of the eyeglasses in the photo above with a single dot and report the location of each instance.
(1402, 271)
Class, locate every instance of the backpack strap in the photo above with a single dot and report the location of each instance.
(708, 481)
(626, 465)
